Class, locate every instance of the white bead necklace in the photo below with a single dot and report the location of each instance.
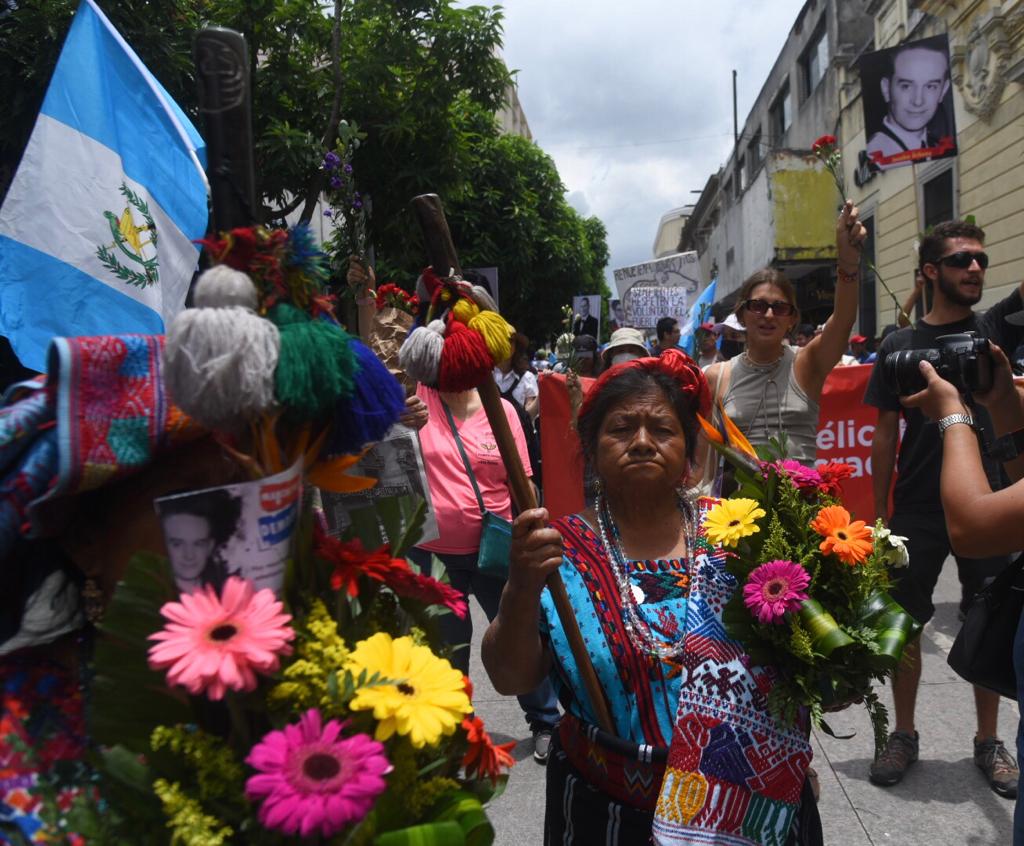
(638, 628)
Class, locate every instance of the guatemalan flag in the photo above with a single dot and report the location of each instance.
(96, 230)
(699, 312)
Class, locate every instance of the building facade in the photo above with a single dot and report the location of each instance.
(985, 179)
(772, 203)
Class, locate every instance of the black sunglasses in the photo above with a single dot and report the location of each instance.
(780, 308)
(962, 259)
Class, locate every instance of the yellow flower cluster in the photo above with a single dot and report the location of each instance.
(320, 652)
(425, 698)
(217, 771)
(186, 819)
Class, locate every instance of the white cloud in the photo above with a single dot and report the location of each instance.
(634, 101)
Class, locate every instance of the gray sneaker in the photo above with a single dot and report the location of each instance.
(998, 765)
(899, 753)
(541, 745)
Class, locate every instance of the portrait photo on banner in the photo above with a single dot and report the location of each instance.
(908, 104)
(586, 319)
(616, 316)
(237, 530)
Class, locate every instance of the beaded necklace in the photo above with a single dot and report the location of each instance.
(636, 625)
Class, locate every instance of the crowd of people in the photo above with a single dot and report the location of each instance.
(639, 572)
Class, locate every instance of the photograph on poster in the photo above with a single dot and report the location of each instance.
(908, 103)
(396, 462)
(237, 530)
(587, 311)
(616, 316)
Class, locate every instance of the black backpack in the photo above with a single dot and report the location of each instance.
(526, 422)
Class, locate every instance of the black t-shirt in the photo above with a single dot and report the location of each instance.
(919, 464)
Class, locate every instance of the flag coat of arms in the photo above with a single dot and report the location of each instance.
(97, 227)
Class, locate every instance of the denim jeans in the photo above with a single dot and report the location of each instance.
(540, 705)
(1018, 666)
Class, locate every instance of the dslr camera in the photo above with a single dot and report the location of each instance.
(963, 359)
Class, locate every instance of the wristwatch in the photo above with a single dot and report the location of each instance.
(953, 419)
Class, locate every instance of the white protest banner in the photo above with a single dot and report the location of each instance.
(658, 288)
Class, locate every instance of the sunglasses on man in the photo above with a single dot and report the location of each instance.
(780, 308)
(962, 259)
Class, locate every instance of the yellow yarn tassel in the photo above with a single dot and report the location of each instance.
(465, 310)
(497, 334)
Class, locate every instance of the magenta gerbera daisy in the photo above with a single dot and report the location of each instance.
(804, 478)
(311, 781)
(212, 644)
(775, 588)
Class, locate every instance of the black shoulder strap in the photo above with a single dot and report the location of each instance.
(507, 394)
(465, 458)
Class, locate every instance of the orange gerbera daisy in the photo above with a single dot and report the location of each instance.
(849, 541)
(485, 757)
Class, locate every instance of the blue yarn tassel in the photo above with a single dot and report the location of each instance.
(374, 407)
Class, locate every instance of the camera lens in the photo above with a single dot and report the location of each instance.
(903, 371)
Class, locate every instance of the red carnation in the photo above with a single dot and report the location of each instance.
(824, 144)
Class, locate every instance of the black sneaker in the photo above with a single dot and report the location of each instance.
(899, 753)
(541, 745)
(998, 765)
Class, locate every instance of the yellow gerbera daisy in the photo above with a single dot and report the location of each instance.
(731, 520)
(429, 699)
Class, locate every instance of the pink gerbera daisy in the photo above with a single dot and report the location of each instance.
(804, 478)
(311, 781)
(775, 588)
(213, 644)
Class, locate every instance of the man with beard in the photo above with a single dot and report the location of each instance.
(952, 258)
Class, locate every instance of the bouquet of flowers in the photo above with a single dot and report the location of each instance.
(390, 295)
(323, 711)
(812, 601)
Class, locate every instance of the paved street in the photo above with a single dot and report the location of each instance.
(943, 800)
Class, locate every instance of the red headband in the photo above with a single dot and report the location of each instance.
(674, 363)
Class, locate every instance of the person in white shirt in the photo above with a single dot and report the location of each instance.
(516, 378)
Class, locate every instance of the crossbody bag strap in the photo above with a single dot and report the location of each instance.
(465, 458)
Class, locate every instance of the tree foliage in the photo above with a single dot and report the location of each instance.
(422, 80)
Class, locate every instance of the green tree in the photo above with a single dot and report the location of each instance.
(513, 214)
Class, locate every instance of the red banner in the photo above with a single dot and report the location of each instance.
(845, 429)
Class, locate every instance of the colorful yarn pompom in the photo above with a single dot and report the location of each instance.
(317, 365)
(465, 310)
(375, 405)
(219, 365)
(420, 355)
(465, 359)
(221, 286)
(497, 334)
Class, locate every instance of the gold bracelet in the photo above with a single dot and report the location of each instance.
(848, 275)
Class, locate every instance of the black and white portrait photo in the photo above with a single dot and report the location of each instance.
(616, 316)
(197, 528)
(908, 103)
(587, 315)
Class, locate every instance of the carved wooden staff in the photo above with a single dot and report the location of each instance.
(444, 261)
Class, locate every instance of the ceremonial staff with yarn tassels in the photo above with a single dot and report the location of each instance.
(460, 354)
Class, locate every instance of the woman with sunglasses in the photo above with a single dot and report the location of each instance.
(771, 387)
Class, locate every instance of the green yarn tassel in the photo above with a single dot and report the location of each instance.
(316, 367)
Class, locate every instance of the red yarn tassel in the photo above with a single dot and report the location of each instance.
(465, 361)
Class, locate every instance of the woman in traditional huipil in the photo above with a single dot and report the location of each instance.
(695, 756)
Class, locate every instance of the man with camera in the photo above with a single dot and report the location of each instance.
(980, 521)
(953, 262)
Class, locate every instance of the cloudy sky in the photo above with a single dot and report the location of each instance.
(634, 100)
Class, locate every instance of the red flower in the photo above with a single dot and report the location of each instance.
(484, 757)
(832, 475)
(351, 561)
(825, 144)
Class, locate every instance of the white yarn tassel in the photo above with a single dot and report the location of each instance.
(222, 286)
(479, 295)
(219, 364)
(420, 355)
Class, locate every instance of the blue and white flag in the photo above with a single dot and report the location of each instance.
(96, 230)
(701, 307)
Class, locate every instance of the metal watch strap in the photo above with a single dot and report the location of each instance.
(953, 419)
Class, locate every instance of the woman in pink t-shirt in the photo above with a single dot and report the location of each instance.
(459, 523)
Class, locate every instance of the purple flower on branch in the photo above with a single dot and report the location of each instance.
(331, 161)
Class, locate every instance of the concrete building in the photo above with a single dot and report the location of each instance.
(772, 203)
(985, 179)
(670, 227)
